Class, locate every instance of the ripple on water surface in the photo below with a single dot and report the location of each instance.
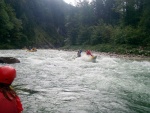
(52, 81)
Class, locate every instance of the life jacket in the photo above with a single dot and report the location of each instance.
(7, 106)
(88, 52)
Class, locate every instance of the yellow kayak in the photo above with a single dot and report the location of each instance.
(93, 58)
(32, 50)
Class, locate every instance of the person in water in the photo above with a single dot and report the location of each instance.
(79, 53)
(9, 100)
(88, 52)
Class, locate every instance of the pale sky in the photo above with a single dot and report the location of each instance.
(73, 2)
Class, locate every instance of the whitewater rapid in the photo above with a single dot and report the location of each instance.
(55, 81)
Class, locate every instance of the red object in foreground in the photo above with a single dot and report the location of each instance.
(7, 74)
(10, 106)
(9, 101)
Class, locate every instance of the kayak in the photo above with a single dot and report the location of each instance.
(93, 58)
(32, 50)
(88, 58)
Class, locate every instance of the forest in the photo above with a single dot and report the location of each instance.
(118, 26)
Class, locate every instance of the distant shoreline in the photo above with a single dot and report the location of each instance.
(126, 56)
(130, 57)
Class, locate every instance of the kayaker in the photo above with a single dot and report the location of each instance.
(9, 100)
(88, 52)
(79, 53)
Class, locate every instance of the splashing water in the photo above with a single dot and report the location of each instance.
(53, 81)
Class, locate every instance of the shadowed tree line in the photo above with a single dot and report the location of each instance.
(53, 23)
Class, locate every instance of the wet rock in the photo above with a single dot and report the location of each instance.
(9, 60)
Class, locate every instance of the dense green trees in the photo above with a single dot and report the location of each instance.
(42, 22)
(53, 23)
(10, 27)
(126, 21)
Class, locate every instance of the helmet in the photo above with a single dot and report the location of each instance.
(7, 74)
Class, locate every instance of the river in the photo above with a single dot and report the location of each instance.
(53, 81)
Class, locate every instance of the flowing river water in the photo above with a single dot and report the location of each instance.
(53, 81)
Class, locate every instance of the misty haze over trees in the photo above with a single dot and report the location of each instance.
(101, 24)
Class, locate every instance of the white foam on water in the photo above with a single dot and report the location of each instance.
(58, 81)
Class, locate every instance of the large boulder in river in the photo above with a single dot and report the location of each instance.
(9, 60)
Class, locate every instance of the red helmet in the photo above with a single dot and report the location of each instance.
(7, 74)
